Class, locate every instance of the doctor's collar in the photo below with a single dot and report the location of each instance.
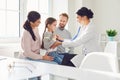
(87, 24)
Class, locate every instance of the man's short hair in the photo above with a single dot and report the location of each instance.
(64, 14)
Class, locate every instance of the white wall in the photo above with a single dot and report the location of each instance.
(73, 6)
(107, 13)
(59, 6)
(72, 16)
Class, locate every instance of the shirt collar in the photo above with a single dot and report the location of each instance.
(61, 28)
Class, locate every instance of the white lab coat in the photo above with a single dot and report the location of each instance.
(87, 38)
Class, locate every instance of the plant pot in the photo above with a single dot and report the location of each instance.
(111, 38)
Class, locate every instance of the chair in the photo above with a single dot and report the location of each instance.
(100, 61)
(99, 75)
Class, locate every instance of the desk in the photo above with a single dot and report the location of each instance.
(39, 68)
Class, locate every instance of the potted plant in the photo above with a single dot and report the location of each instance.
(111, 34)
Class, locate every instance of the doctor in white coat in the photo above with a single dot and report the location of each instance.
(87, 35)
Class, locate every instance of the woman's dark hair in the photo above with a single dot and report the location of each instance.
(32, 17)
(49, 20)
(85, 12)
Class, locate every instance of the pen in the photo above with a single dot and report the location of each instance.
(2, 59)
(21, 67)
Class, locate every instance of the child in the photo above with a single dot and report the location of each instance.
(49, 39)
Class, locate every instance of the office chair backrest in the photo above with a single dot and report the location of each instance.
(100, 61)
(99, 75)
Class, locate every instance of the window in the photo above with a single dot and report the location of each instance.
(9, 18)
(42, 7)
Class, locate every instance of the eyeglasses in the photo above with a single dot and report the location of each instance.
(21, 65)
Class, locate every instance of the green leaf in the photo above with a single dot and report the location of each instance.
(111, 32)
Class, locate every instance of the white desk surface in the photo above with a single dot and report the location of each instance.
(39, 68)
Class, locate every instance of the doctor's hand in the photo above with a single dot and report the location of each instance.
(59, 38)
(46, 57)
(54, 36)
(57, 43)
